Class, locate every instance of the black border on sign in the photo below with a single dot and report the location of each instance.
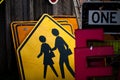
(69, 26)
(14, 26)
(95, 5)
(15, 31)
(31, 25)
(31, 35)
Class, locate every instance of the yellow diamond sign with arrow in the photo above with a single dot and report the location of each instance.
(44, 54)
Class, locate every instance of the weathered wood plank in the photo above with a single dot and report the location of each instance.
(31, 10)
(17, 10)
(3, 60)
(63, 7)
(25, 9)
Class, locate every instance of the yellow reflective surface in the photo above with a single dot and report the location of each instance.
(31, 67)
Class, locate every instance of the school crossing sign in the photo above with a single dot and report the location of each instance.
(43, 54)
(102, 15)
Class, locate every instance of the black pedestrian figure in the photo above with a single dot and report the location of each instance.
(46, 49)
(62, 46)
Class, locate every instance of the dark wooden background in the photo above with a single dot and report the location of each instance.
(22, 10)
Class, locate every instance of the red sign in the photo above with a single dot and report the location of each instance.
(53, 1)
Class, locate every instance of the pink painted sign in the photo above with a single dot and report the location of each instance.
(82, 36)
(82, 53)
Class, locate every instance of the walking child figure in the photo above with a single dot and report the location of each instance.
(46, 49)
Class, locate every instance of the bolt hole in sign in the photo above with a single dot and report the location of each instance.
(53, 1)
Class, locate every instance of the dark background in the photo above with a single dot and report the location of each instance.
(22, 10)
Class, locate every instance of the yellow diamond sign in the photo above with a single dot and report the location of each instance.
(44, 54)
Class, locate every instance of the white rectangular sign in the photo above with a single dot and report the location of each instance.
(104, 17)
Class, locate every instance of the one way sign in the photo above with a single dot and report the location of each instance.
(102, 15)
